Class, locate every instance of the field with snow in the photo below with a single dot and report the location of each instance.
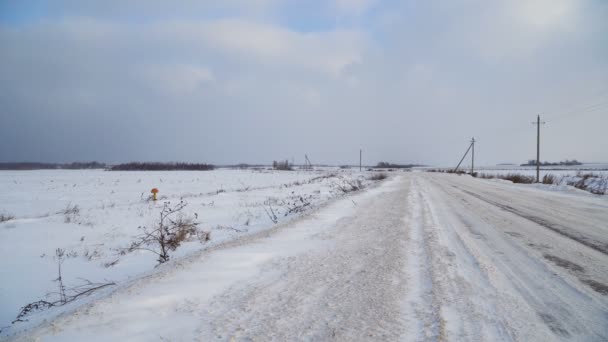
(95, 215)
(588, 177)
(598, 169)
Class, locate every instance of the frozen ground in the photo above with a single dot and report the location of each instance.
(421, 257)
(111, 207)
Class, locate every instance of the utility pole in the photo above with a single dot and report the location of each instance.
(472, 155)
(538, 123)
(308, 164)
(465, 155)
(360, 158)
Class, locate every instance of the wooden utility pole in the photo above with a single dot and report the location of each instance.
(360, 158)
(308, 164)
(538, 123)
(472, 156)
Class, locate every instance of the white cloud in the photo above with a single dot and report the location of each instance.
(504, 30)
(176, 79)
(428, 74)
(353, 7)
(546, 15)
(329, 52)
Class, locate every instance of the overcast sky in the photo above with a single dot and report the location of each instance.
(255, 80)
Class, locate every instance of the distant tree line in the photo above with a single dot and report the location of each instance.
(281, 165)
(51, 166)
(386, 165)
(566, 162)
(154, 166)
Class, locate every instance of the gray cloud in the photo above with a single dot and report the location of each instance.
(407, 82)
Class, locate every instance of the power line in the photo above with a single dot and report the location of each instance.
(584, 111)
(600, 96)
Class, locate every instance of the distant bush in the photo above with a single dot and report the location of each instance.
(519, 178)
(458, 172)
(83, 166)
(6, 217)
(386, 165)
(154, 166)
(566, 162)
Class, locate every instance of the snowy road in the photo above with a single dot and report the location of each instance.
(421, 257)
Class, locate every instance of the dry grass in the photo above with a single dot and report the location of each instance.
(549, 179)
(70, 212)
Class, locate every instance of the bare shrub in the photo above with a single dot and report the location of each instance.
(348, 185)
(377, 177)
(172, 229)
(66, 294)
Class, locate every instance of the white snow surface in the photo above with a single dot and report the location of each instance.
(112, 205)
(422, 256)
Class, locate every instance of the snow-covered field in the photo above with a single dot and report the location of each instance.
(591, 177)
(422, 256)
(597, 169)
(110, 206)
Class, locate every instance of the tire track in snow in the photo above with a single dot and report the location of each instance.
(565, 309)
(558, 228)
(576, 270)
(467, 301)
(420, 306)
